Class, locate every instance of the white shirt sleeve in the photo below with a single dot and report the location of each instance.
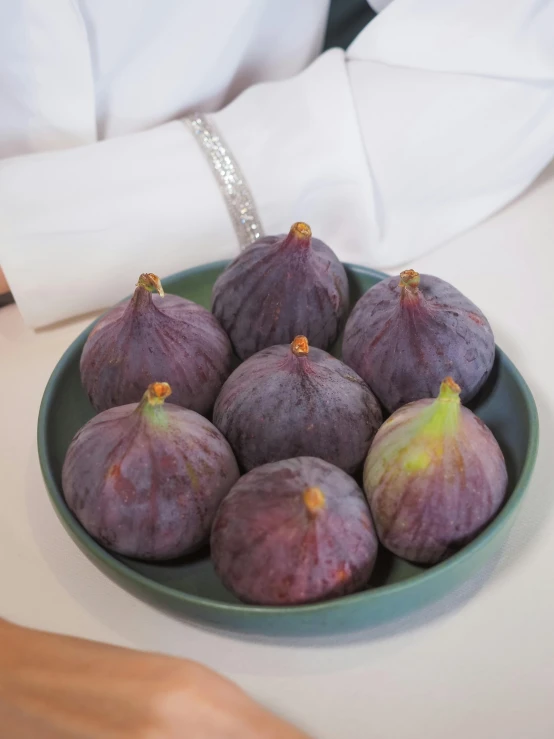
(438, 115)
(77, 227)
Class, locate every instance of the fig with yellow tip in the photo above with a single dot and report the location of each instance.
(404, 336)
(154, 336)
(145, 479)
(279, 287)
(293, 401)
(291, 532)
(434, 477)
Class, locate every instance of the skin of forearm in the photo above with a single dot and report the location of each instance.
(52, 686)
(4, 287)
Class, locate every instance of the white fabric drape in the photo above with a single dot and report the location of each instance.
(438, 115)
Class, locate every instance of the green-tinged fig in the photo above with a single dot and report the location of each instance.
(146, 479)
(434, 477)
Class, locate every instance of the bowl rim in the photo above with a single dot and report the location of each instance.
(369, 596)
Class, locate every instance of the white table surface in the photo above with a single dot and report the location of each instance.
(477, 665)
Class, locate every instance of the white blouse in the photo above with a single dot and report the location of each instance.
(437, 115)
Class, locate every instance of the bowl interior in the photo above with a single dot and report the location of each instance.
(504, 404)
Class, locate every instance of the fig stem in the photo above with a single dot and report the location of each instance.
(442, 416)
(157, 392)
(151, 282)
(300, 347)
(301, 230)
(152, 403)
(449, 391)
(314, 500)
(409, 279)
(300, 235)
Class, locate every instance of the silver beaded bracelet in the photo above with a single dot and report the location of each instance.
(232, 184)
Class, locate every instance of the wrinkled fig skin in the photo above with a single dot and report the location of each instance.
(279, 287)
(404, 341)
(148, 487)
(277, 405)
(152, 338)
(291, 532)
(433, 485)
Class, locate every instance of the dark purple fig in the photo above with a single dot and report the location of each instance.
(404, 338)
(151, 337)
(293, 401)
(434, 477)
(294, 531)
(146, 479)
(279, 287)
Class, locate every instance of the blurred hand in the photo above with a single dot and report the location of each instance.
(4, 287)
(57, 687)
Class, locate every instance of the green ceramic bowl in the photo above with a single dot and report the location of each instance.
(189, 586)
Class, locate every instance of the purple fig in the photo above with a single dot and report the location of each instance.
(434, 477)
(146, 479)
(293, 401)
(279, 287)
(294, 531)
(404, 338)
(151, 337)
